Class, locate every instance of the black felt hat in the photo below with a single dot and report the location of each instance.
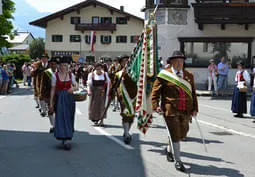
(65, 59)
(53, 59)
(45, 55)
(240, 62)
(121, 57)
(177, 54)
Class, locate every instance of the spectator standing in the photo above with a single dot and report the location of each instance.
(24, 71)
(223, 69)
(5, 81)
(212, 75)
(1, 77)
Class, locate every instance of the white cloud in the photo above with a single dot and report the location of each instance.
(131, 6)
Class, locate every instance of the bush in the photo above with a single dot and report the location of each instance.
(18, 60)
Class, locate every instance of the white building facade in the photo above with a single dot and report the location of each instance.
(206, 29)
(68, 32)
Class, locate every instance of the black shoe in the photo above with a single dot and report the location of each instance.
(52, 130)
(37, 106)
(114, 110)
(67, 146)
(180, 167)
(43, 114)
(239, 115)
(169, 156)
(40, 110)
(127, 139)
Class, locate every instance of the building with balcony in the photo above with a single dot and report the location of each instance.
(68, 32)
(205, 29)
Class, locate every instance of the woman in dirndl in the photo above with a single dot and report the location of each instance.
(63, 86)
(239, 100)
(252, 106)
(98, 90)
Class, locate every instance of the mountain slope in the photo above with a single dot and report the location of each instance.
(23, 15)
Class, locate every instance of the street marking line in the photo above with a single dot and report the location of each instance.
(227, 110)
(227, 129)
(108, 135)
(78, 112)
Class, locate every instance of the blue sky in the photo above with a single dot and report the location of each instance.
(131, 6)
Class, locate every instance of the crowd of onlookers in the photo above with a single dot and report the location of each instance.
(7, 79)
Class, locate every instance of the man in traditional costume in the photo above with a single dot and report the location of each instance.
(174, 89)
(126, 93)
(113, 69)
(45, 88)
(42, 66)
(34, 74)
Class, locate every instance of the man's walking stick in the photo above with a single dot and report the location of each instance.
(169, 135)
(201, 133)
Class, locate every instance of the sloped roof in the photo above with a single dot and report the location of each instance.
(19, 38)
(20, 47)
(42, 22)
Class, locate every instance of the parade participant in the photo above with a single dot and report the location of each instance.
(34, 75)
(113, 69)
(46, 88)
(174, 88)
(239, 100)
(41, 67)
(126, 93)
(62, 87)
(98, 90)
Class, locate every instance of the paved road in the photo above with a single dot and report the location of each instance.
(28, 150)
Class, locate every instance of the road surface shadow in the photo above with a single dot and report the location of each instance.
(34, 154)
(199, 140)
(212, 170)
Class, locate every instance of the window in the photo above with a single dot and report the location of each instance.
(106, 20)
(121, 39)
(57, 38)
(75, 38)
(88, 38)
(200, 50)
(106, 39)
(134, 39)
(95, 20)
(121, 20)
(75, 20)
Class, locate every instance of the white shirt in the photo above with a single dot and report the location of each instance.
(175, 72)
(246, 76)
(54, 80)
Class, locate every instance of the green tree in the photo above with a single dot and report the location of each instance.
(221, 49)
(36, 48)
(5, 21)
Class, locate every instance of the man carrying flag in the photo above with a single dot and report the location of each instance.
(174, 88)
(126, 93)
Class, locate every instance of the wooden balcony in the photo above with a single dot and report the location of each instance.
(95, 27)
(166, 4)
(235, 12)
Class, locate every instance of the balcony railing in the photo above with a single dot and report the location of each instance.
(224, 13)
(97, 27)
(167, 3)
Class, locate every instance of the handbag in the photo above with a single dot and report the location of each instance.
(216, 72)
(243, 89)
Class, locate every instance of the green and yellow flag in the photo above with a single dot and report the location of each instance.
(144, 68)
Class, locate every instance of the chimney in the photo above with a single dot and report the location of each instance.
(122, 8)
